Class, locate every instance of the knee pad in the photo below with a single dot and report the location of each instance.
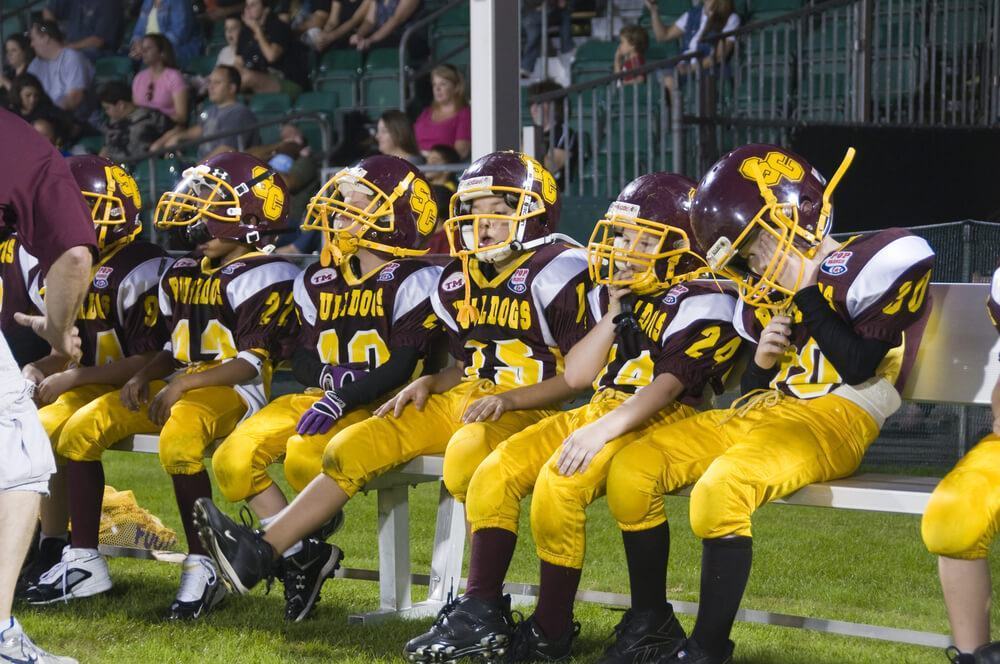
(720, 502)
(466, 450)
(233, 472)
(79, 440)
(181, 455)
(952, 528)
(301, 465)
(633, 497)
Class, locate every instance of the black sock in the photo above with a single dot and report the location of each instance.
(725, 569)
(188, 489)
(492, 550)
(86, 496)
(647, 552)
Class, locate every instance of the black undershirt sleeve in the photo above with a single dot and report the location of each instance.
(755, 377)
(854, 357)
(306, 366)
(378, 382)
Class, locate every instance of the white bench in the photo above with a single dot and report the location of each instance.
(956, 364)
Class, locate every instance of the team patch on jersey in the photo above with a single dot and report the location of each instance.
(388, 273)
(230, 269)
(518, 280)
(102, 275)
(836, 263)
(674, 293)
(453, 284)
(324, 276)
(185, 262)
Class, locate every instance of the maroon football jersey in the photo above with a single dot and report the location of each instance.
(357, 320)
(878, 284)
(686, 331)
(530, 314)
(214, 314)
(18, 269)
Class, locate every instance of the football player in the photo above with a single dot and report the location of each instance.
(513, 305)
(120, 330)
(830, 322)
(18, 270)
(226, 305)
(649, 366)
(960, 522)
(367, 321)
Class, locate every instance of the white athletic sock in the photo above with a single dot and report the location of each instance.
(293, 549)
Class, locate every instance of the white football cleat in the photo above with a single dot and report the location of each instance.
(80, 573)
(201, 589)
(15, 646)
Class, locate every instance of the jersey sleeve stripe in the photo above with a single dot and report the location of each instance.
(738, 323)
(441, 312)
(143, 278)
(594, 301)
(302, 299)
(244, 286)
(27, 263)
(414, 290)
(884, 268)
(165, 307)
(995, 287)
(711, 306)
(552, 278)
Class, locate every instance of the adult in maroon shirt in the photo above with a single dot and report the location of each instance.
(40, 200)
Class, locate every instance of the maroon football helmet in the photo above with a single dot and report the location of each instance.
(235, 196)
(645, 241)
(763, 188)
(382, 203)
(112, 195)
(525, 186)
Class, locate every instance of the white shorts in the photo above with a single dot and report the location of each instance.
(26, 460)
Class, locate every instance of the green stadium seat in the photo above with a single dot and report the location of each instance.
(325, 101)
(382, 58)
(92, 144)
(168, 172)
(270, 104)
(663, 50)
(312, 132)
(451, 47)
(783, 6)
(202, 65)
(380, 91)
(457, 17)
(340, 61)
(113, 68)
(338, 72)
(596, 51)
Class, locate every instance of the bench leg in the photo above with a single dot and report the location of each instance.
(446, 559)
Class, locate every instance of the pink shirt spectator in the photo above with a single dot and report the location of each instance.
(456, 128)
(158, 95)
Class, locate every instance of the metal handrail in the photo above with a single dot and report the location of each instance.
(405, 39)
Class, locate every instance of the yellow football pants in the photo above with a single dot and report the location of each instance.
(56, 414)
(743, 459)
(367, 449)
(198, 418)
(304, 456)
(963, 515)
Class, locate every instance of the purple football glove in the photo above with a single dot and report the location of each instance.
(321, 415)
(335, 376)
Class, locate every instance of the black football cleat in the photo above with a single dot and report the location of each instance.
(528, 644)
(465, 627)
(987, 654)
(644, 636)
(304, 574)
(44, 557)
(692, 653)
(242, 556)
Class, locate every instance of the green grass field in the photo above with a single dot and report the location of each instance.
(825, 563)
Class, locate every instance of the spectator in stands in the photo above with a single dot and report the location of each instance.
(303, 15)
(131, 129)
(65, 74)
(383, 24)
(448, 120)
(443, 185)
(342, 20)
(218, 10)
(225, 114)
(92, 27)
(394, 135)
(561, 13)
(631, 53)
(227, 55)
(161, 86)
(269, 57)
(556, 142)
(28, 100)
(698, 28)
(174, 19)
(17, 56)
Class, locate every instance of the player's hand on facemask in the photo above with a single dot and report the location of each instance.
(416, 393)
(615, 296)
(488, 408)
(321, 415)
(774, 341)
(580, 448)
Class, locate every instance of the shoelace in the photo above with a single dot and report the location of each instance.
(58, 571)
(752, 400)
(190, 580)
